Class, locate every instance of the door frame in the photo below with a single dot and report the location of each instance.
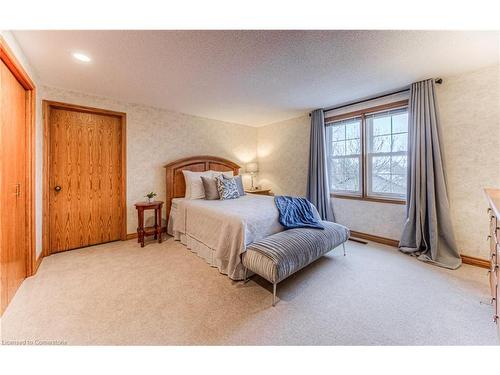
(15, 67)
(47, 105)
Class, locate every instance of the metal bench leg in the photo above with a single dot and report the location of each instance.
(274, 294)
(343, 246)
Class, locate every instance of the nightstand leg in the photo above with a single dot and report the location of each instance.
(158, 219)
(156, 225)
(140, 229)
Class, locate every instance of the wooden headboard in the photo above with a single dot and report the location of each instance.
(176, 187)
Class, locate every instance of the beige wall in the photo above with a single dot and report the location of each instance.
(156, 137)
(470, 115)
(470, 112)
(283, 152)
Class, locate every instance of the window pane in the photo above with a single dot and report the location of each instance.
(400, 123)
(398, 185)
(338, 132)
(352, 147)
(352, 130)
(382, 143)
(352, 174)
(399, 142)
(336, 173)
(381, 174)
(338, 148)
(381, 165)
(398, 164)
(345, 174)
(382, 125)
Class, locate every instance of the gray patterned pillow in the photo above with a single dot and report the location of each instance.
(228, 189)
(239, 183)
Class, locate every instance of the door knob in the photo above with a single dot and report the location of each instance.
(57, 188)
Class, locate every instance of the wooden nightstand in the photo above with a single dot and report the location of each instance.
(260, 191)
(148, 231)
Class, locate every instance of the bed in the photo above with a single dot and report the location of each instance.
(217, 230)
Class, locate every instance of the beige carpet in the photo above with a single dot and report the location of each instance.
(162, 294)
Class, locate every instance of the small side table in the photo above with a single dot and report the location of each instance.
(148, 231)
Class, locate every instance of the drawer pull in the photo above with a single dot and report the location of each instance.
(489, 237)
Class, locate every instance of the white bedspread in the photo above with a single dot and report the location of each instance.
(227, 226)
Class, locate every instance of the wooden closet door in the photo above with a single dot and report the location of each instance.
(86, 164)
(14, 249)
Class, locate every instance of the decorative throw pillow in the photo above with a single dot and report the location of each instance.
(227, 188)
(239, 183)
(194, 186)
(210, 186)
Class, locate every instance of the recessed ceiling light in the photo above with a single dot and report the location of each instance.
(81, 57)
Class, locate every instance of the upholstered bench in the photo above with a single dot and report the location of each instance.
(280, 255)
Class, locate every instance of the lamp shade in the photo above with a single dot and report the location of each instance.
(252, 167)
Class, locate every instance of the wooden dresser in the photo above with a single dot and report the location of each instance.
(493, 196)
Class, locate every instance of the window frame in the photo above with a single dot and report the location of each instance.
(364, 155)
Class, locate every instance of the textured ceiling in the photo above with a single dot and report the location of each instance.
(250, 77)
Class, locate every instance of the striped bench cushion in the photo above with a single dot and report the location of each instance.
(280, 255)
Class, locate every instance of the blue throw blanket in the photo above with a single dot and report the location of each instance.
(296, 213)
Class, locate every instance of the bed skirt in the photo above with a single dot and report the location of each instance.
(208, 254)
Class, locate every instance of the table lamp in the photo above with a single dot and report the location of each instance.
(252, 168)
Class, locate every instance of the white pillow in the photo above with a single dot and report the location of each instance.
(218, 173)
(194, 185)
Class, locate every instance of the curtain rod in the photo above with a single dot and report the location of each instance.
(437, 80)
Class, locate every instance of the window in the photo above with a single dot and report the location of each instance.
(345, 156)
(368, 153)
(387, 145)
